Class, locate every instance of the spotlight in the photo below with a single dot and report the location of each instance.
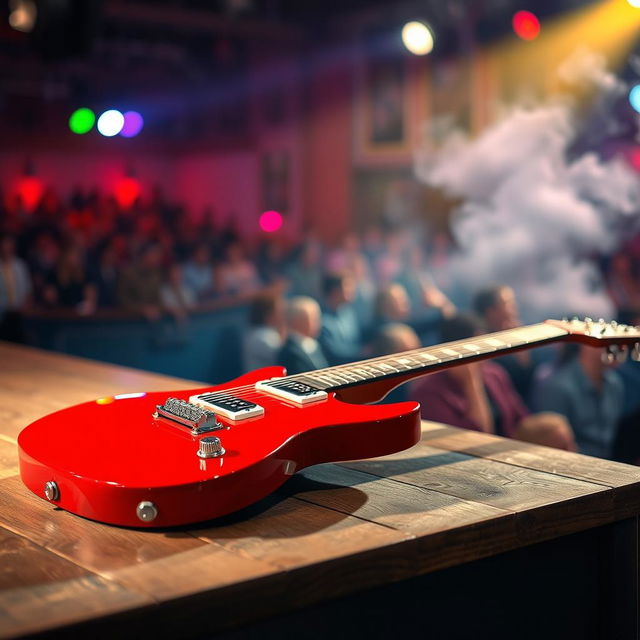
(634, 97)
(133, 124)
(270, 221)
(82, 120)
(23, 14)
(634, 3)
(417, 37)
(526, 25)
(110, 123)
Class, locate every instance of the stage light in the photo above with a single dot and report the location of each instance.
(82, 120)
(23, 15)
(110, 123)
(133, 124)
(270, 221)
(634, 3)
(526, 25)
(634, 97)
(417, 37)
(127, 191)
(30, 189)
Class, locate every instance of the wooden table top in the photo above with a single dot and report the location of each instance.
(332, 530)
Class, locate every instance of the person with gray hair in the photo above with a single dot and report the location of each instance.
(301, 351)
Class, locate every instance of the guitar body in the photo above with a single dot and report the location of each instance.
(108, 456)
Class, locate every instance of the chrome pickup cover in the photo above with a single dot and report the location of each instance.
(199, 420)
(227, 405)
(293, 390)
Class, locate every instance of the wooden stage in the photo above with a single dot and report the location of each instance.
(465, 535)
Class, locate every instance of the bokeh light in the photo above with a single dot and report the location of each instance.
(82, 120)
(270, 221)
(110, 123)
(133, 123)
(634, 97)
(417, 38)
(526, 25)
(127, 191)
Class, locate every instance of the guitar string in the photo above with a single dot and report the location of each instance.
(461, 356)
(385, 359)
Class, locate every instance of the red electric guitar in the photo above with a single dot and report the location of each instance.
(148, 460)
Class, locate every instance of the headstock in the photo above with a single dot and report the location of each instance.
(619, 340)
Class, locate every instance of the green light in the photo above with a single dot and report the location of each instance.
(82, 120)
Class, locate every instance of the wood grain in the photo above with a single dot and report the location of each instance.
(8, 458)
(36, 382)
(550, 505)
(293, 533)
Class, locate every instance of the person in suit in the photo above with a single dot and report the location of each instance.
(264, 338)
(340, 337)
(301, 351)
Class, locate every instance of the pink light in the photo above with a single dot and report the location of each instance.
(270, 221)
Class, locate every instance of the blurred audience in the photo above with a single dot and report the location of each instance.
(340, 337)
(480, 396)
(264, 337)
(589, 393)
(301, 351)
(15, 290)
(498, 309)
(382, 291)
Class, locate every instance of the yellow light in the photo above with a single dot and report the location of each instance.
(418, 38)
(23, 15)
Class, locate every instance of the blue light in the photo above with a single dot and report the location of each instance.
(634, 97)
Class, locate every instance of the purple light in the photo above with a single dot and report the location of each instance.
(270, 221)
(133, 124)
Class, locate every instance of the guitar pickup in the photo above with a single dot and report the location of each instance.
(227, 405)
(293, 390)
(199, 420)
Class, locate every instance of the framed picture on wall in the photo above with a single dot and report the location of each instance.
(384, 104)
(276, 181)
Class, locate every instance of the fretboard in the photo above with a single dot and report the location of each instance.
(428, 359)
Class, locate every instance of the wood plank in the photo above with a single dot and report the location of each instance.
(45, 607)
(34, 383)
(293, 533)
(524, 454)
(447, 529)
(92, 545)
(23, 563)
(547, 505)
(623, 478)
(8, 458)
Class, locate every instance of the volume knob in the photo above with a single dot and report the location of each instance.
(210, 447)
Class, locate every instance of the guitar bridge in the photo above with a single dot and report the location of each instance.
(199, 420)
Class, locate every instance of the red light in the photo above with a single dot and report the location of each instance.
(270, 221)
(526, 25)
(127, 192)
(30, 190)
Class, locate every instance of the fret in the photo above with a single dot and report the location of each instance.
(446, 355)
(421, 360)
(429, 357)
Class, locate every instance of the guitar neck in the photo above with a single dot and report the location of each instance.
(417, 362)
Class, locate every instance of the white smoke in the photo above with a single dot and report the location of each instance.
(531, 218)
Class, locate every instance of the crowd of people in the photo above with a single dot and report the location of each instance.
(312, 305)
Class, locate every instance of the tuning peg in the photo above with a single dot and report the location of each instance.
(608, 356)
(635, 352)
